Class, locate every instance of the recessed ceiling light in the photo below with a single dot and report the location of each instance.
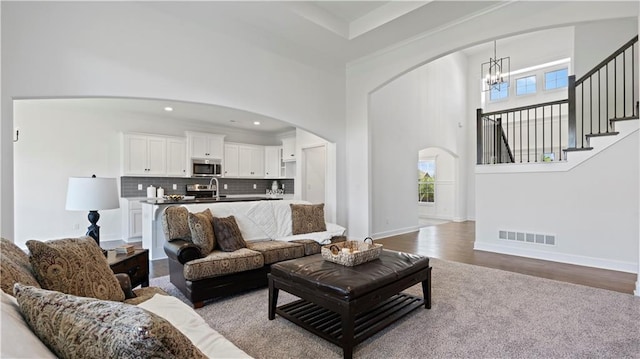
(168, 109)
(257, 123)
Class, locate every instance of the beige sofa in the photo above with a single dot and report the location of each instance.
(267, 228)
(37, 323)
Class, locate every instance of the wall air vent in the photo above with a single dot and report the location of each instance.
(527, 237)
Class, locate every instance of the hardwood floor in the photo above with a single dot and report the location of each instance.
(454, 242)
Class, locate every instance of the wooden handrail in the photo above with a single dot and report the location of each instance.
(604, 62)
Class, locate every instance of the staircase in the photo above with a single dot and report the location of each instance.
(601, 104)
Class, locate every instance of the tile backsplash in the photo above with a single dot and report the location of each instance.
(129, 185)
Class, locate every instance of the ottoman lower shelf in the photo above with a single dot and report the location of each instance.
(328, 325)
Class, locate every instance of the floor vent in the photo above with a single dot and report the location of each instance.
(537, 238)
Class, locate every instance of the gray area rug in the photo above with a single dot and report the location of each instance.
(476, 312)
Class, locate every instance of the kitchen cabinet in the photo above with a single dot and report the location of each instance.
(230, 164)
(205, 145)
(176, 156)
(243, 160)
(131, 218)
(289, 149)
(250, 161)
(144, 155)
(272, 161)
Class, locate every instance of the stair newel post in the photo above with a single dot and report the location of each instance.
(572, 112)
(479, 143)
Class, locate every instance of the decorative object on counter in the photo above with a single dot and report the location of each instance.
(160, 192)
(174, 197)
(92, 194)
(351, 253)
(151, 191)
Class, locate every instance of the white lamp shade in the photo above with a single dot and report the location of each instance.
(92, 194)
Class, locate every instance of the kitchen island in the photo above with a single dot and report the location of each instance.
(152, 233)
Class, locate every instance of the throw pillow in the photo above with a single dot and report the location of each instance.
(201, 226)
(175, 223)
(228, 234)
(76, 327)
(15, 267)
(74, 266)
(307, 218)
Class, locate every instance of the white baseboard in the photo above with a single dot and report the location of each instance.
(395, 232)
(621, 266)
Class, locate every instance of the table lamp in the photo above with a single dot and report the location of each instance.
(92, 194)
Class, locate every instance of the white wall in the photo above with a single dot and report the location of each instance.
(419, 109)
(446, 186)
(149, 50)
(595, 41)
(592, 210)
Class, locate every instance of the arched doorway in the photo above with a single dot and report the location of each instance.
(437, 186)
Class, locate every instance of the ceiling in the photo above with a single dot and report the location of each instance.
(327, 34)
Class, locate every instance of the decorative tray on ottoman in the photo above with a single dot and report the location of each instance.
(351, 253)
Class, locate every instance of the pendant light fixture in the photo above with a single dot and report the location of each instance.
(495, 72)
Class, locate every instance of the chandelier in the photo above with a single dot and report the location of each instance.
(495, 72)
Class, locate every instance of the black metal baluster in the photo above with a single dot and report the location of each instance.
(624, 84)
(582, 115)
(560, 132)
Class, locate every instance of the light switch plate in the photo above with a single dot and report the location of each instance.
(139, 186)
(175, 186)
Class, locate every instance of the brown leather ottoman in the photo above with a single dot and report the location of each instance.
(346, 305)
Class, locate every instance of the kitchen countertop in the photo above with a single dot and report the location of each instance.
(158, 201)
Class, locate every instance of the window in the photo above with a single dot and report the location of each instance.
(556, 79)
(426, 181)
(526, 85)
(499, 92)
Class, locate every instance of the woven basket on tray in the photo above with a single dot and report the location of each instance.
(356, 252)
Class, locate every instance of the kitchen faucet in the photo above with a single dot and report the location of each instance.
(217, 196)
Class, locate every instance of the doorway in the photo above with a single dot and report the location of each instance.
(314, 162)
(437, 187)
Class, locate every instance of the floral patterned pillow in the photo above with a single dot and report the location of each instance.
(202, 235)
(74, 266)
(77, 327)
(15, 267)
(307, 218)
(175, 224)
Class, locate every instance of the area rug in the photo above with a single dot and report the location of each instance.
(476, 312)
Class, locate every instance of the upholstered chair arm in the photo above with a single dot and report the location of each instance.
(182, 251)
(125, 284)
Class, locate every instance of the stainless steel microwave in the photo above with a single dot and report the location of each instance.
(206, 168)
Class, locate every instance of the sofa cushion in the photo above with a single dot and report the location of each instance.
(310, 246)
(228, 234)
(307, 218)
(175, 223)
(74, 266)
(219, 263)
(275, 251)
(202, 235)
(15, 267)
(18, 341)
(77, 327)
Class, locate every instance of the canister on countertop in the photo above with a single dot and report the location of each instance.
(151, 192)
(160, 192)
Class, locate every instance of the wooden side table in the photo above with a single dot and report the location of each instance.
(136, 265)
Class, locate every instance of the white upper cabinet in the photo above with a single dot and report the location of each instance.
(272, 161)
(205, 145)
(230, 164)
(243, 160)
(144, 155)
(176, 156)
(250, 161)
(289, 149)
